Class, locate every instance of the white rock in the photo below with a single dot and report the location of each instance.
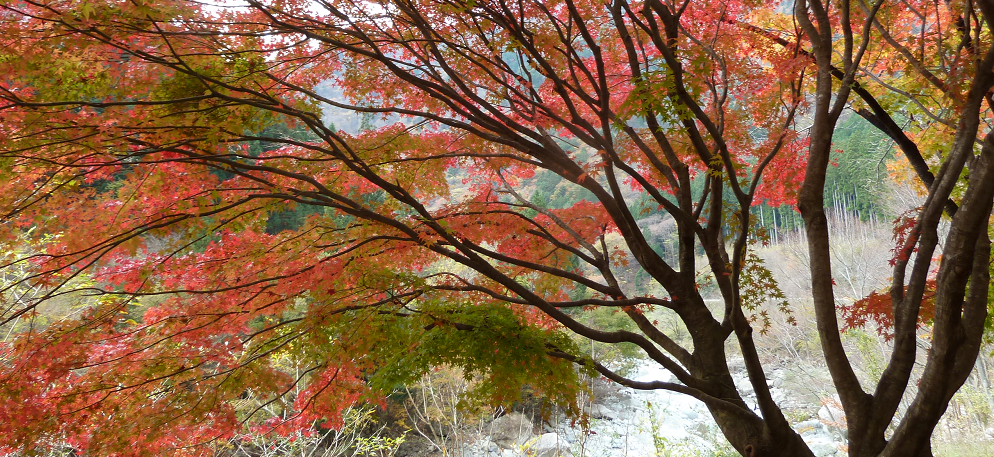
(547, 445)
(509, 453)
(823, 448)
(832, 416)
(690, 415)
(813, 427)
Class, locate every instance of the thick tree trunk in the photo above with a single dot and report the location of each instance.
(961, 308)
(962, 283)
(749, 434)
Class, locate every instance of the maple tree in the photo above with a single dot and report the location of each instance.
(130, 138)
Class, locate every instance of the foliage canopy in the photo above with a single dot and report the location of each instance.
(146, 146)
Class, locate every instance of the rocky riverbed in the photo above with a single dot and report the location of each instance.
(629, 423)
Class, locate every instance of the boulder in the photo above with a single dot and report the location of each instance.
(832, 416)
(511, 430)
(598, 411)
